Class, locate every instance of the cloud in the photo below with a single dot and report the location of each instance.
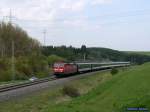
(46, 9)
(99, 2)
(68, 13)
(75, 6)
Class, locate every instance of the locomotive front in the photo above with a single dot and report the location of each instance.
(61, 68)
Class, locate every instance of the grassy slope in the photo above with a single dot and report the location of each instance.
(38, 102)
(130, 88)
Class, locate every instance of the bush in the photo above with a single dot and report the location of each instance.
(54, 58)
(20, 76)
(42, 74)
(23, 66)
(4, 63)
(114, 71)
(5, 75)
(70, 91)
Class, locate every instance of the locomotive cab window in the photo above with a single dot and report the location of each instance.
(58, 65)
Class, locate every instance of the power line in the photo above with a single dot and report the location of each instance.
(59, 23)
(117, 15)
(10, 16)
(91, 18)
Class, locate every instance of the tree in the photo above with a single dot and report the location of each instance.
(23, 43)
(54, 58)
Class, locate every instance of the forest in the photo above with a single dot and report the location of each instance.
(94, 54)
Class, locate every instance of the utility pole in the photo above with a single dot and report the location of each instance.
(13, 50)
(83, 50)
(44, 36)
(84, 57)
(10, 16)
(13, 61)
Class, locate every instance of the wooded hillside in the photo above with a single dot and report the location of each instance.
(28, 60)
(94, 54)
(23, 44)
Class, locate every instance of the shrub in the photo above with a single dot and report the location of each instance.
(23, 67)
(20, 76)
(54, 58)
(42, 74)
(114, 71)
(70, 91)
(5, 75)
(4, 64)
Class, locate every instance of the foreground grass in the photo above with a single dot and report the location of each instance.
(39, 101)
(100, 93)
(127, 89)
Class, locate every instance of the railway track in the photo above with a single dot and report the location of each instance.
(17, 86)
(52, 78)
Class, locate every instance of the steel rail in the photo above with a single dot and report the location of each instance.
(52, 78)
(17, 86)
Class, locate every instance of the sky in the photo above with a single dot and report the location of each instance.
(117, 24)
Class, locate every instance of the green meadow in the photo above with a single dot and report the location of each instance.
(101, 92)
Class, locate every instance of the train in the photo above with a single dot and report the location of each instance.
(64, 69)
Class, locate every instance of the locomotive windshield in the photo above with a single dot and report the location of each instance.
(59, 65)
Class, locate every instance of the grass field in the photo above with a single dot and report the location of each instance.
(100, 93)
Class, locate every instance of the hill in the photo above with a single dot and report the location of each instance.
(94, 54)
(97, 53)
(140, 52)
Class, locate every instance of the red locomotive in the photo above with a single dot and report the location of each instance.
(61, 68)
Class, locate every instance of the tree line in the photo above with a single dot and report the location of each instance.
(94, 54)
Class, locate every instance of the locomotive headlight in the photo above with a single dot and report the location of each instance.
(61, 70)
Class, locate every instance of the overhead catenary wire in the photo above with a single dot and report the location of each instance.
(88, 18)
(99, 20)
